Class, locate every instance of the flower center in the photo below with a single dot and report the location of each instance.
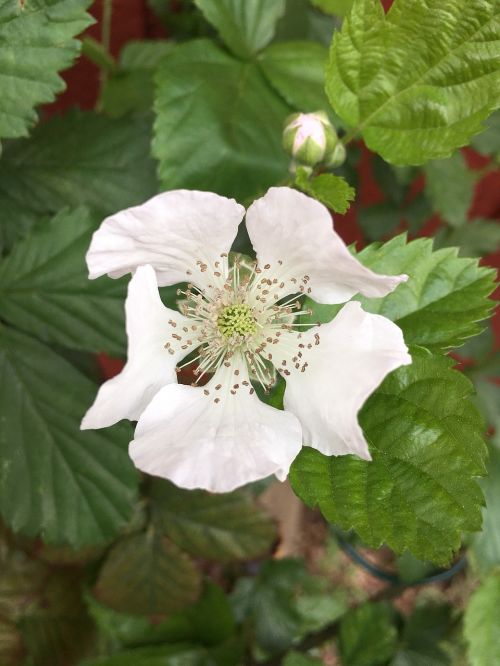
(237, 320)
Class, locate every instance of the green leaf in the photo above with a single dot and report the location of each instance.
(482, 618)
(302, 21)
(165, 655)
(78, 159)
(218, 123)
(44, 288)
(419, 493)
(443, 302)
(69, 486)
(246, 26)
(333, 191)
(488, 142)
(367, 635)
(486, 545)
(379, 220)
(340, 7)
(296, 70)
(221, 527)
(418, 82)
(450, 188)
(130, 88)
(423, 634)
(475, 239)
(37, 43)
(146, 574)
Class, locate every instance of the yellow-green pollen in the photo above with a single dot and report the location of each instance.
(236, 320)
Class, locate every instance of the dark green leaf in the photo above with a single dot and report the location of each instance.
(367, 635)
(333, 191)
(165, 655)
(69, 486)
(450, 188)
(146, 574)
(79, 158)
(418, 82)
(130, 86)
(246, 26)
(44, 288)
(223, 527)
(379, 220)
(488, 142)
(486, 545)
(476, 238)
(423, 633)
(420, 490)
(444, 300)
(296, 70)
(218, 123)
(37, 38)
(482, 618)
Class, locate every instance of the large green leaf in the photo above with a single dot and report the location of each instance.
(37, 43)
(296, 70)
(69, 486)
(44, 288)
(222, 527)
(79, 158)
(442, 303)
(367, 635)
(147, 574)
(482, 619)
(418, 82)
(420, 490)
(450, 188)
(218, 123)
(246, 26)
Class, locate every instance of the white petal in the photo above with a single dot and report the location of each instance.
(186, 437)
(355, 352)
(150, 366)
(171, 232)
(289, 227)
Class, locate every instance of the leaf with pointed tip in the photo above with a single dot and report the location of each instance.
(68, 486)
(418, 82)
(44, 288)
(209, 132)
(222, 527)
(37, 38)
(146, 574)
(420, 491)
(333, 191)
(246, 26)
(443, 302)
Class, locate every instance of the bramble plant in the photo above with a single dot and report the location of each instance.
(198, 197)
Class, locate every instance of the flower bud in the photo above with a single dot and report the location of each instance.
(309, 138)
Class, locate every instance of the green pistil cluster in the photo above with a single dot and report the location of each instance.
(236, 320)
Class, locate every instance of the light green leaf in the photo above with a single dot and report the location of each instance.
(450, 187)
(69, 486)
(79, 158)
(442, 303)
(130, 87)
(475, 239)
(367, 635)
(37, 38)
(482, 618)
(333, 191)
(419, 493)
(146, 574)
(296, 70)
(486, 545)
(218, 123)
(246, 26)
(44, 288)
(222, 527)
(418, 82)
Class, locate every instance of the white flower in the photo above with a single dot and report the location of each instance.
(240, 326)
